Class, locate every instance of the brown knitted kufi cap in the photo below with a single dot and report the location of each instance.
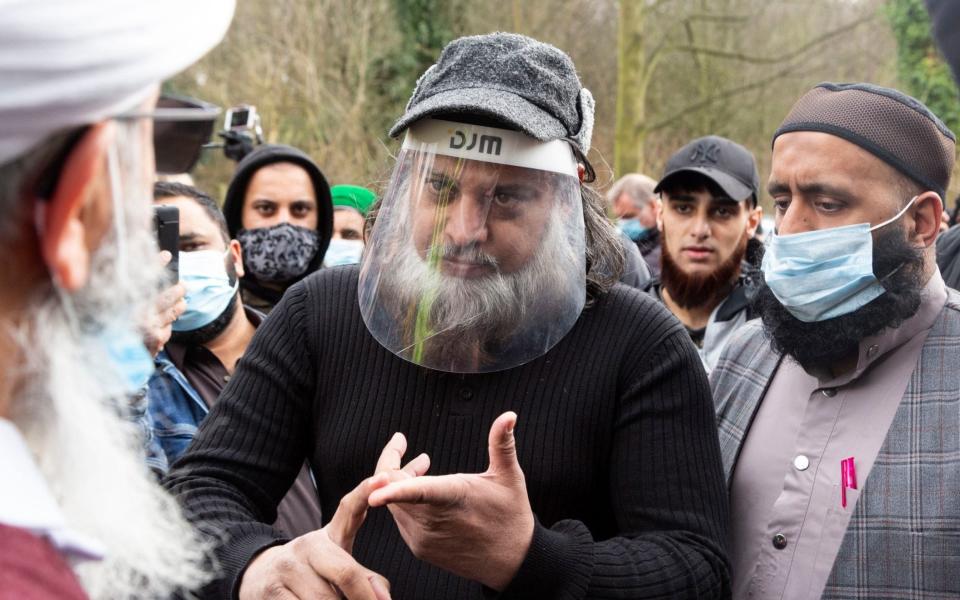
(894, 127)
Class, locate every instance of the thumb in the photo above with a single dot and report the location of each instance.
(502, 445)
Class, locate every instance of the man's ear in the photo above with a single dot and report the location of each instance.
(754, 216)
(73, 219)
(659, 202)
(926, 212)
(236, 255)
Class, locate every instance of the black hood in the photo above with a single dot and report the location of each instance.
(273, 153)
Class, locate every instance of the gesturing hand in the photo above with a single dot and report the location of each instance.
(318, 565)
(477, 526)
(158, 324)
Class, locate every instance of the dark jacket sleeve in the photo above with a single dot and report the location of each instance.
(945, 21)
(667, 491)
(249, 449)
(948, 257)
(636, 274)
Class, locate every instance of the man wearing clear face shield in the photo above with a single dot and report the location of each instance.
(80, 515)
(563, 418)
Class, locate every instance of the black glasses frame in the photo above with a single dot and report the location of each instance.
(182, 126)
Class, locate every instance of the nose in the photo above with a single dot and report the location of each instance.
(796, 219)
(466, 221)
(283, 215)
(701, 227)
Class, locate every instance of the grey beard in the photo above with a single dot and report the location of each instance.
(470, 319)
(90, 455)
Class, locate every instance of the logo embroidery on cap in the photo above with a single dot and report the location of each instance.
(489, 144)
(706, 152)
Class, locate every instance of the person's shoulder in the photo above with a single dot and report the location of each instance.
(625, 297)
(951, 308)
(327, 292)
(635, 313)
(328, 279)
(30, 567)
(748, 343)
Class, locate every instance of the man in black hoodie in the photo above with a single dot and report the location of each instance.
(278, 206)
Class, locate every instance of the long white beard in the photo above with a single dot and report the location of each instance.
(90, 456)
(93, 462)
(492, 305)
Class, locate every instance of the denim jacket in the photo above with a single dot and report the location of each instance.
(175, 411)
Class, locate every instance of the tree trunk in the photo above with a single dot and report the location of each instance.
(631, 90)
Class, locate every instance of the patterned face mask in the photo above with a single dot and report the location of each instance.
(280, 253)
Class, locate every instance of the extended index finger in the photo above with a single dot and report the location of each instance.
(442, 490)
(392, 454)
(351, 513)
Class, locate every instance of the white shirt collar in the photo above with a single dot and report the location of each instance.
(31, 505)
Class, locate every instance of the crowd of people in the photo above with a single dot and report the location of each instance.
(486, 379)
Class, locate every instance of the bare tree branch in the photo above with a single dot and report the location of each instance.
(716, 18)
(739, 56)
(723, 95)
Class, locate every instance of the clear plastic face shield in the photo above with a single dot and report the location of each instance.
(476, 262)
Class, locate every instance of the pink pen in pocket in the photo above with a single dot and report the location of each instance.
(848, 479)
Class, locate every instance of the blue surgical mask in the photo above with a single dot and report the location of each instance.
(343, 252)
(632, 228)
(209, 291)
(129, 357)
(827, 273)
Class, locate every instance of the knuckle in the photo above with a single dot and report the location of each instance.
(346, 576)
(300, 546)
(285, 565)
(274, 590)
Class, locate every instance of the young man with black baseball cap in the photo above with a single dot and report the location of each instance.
(709, 193)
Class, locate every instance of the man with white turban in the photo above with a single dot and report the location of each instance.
(80, 515)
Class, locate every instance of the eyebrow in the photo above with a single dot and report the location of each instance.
(440, 173)
(191, 237)
(811, 189)
(512, 187)
(712, 200)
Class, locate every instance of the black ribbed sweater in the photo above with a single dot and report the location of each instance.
(616, 437)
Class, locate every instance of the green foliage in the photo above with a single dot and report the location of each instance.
(425, 27)
(920, 68)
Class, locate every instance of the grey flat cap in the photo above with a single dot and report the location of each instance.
(531, 85)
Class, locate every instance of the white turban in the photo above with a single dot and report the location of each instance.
(67, 63)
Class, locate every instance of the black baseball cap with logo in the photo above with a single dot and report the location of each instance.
(726, 163)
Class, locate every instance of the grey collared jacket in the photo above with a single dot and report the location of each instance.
(903, 540)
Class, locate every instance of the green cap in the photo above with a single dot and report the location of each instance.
(352, 196)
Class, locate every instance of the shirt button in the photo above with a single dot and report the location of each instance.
(829, 392)
(466, 393)
(801, 462)
(872, 351)
(226, 379)
(779, 541)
